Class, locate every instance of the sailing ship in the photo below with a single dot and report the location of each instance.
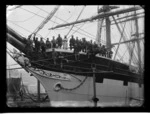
(91, 77)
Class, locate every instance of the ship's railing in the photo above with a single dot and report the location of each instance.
(76, 68)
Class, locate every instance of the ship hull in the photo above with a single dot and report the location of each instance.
(77, 88)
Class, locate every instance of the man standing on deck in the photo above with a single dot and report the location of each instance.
(59, 41)
(77, 44)
(48, 43)
(53, 42)
(42, 45)
(72, 42)
(65, 42)
(29, 45)
(37, 45)
(80, 46)
(110, 54)
(103, 51)
(83, 45)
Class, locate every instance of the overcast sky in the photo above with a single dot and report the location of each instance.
(30, 17)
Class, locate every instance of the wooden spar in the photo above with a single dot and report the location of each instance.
(16, 43)
(99, 16)
(15, 34)
(128, 16)
(46, 19)
(132, 40)
(108, 31)
(99, 28)
(125, 20)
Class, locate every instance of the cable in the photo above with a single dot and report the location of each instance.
(26, 19)
(71, 14)
(66, 21)
(54, 22)
(123, 55)
(76, 20)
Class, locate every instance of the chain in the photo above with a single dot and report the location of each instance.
(71, 89)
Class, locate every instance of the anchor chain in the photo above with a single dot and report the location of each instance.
(71, 89)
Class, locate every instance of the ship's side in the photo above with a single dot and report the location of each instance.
(109, 92)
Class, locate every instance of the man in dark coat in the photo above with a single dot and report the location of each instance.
(110, 54)
(53, 42)
(103, 51)
(42, 44)
(59, 41)
(83, 45)
(37, 45)
(72, 42)
(48, 43)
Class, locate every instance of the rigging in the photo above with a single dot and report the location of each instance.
(56, 23)
(66, 22)
(76, 20)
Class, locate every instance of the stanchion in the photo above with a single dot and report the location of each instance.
(95, 100)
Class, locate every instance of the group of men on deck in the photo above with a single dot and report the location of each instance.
(78, 45)
(89, 47)
(33, 44)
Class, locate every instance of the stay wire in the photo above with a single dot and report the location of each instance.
(76, 20)
(57, 23)
(25, 19)
(65, 21)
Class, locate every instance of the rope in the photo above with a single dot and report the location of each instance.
(26, 19)
(120, 40)
(51, 21)
(76, 20)
(123, 55)
(71, 15)
(68, 27)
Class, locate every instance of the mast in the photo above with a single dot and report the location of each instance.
(108, 37)
(99, 28)
(138, 44)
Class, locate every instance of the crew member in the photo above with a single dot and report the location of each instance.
(110, 54)
(77, 44)
(65, 43)
(59, 41)
(103, 51)
(53, 42)
(72, 42)
(48, 43)
(54, 55)
(37, 45)
(29, 45)
(83, 45)
(42, 44)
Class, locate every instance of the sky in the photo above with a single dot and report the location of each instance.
(27, 18)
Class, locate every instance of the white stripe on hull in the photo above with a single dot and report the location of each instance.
(109, 92)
